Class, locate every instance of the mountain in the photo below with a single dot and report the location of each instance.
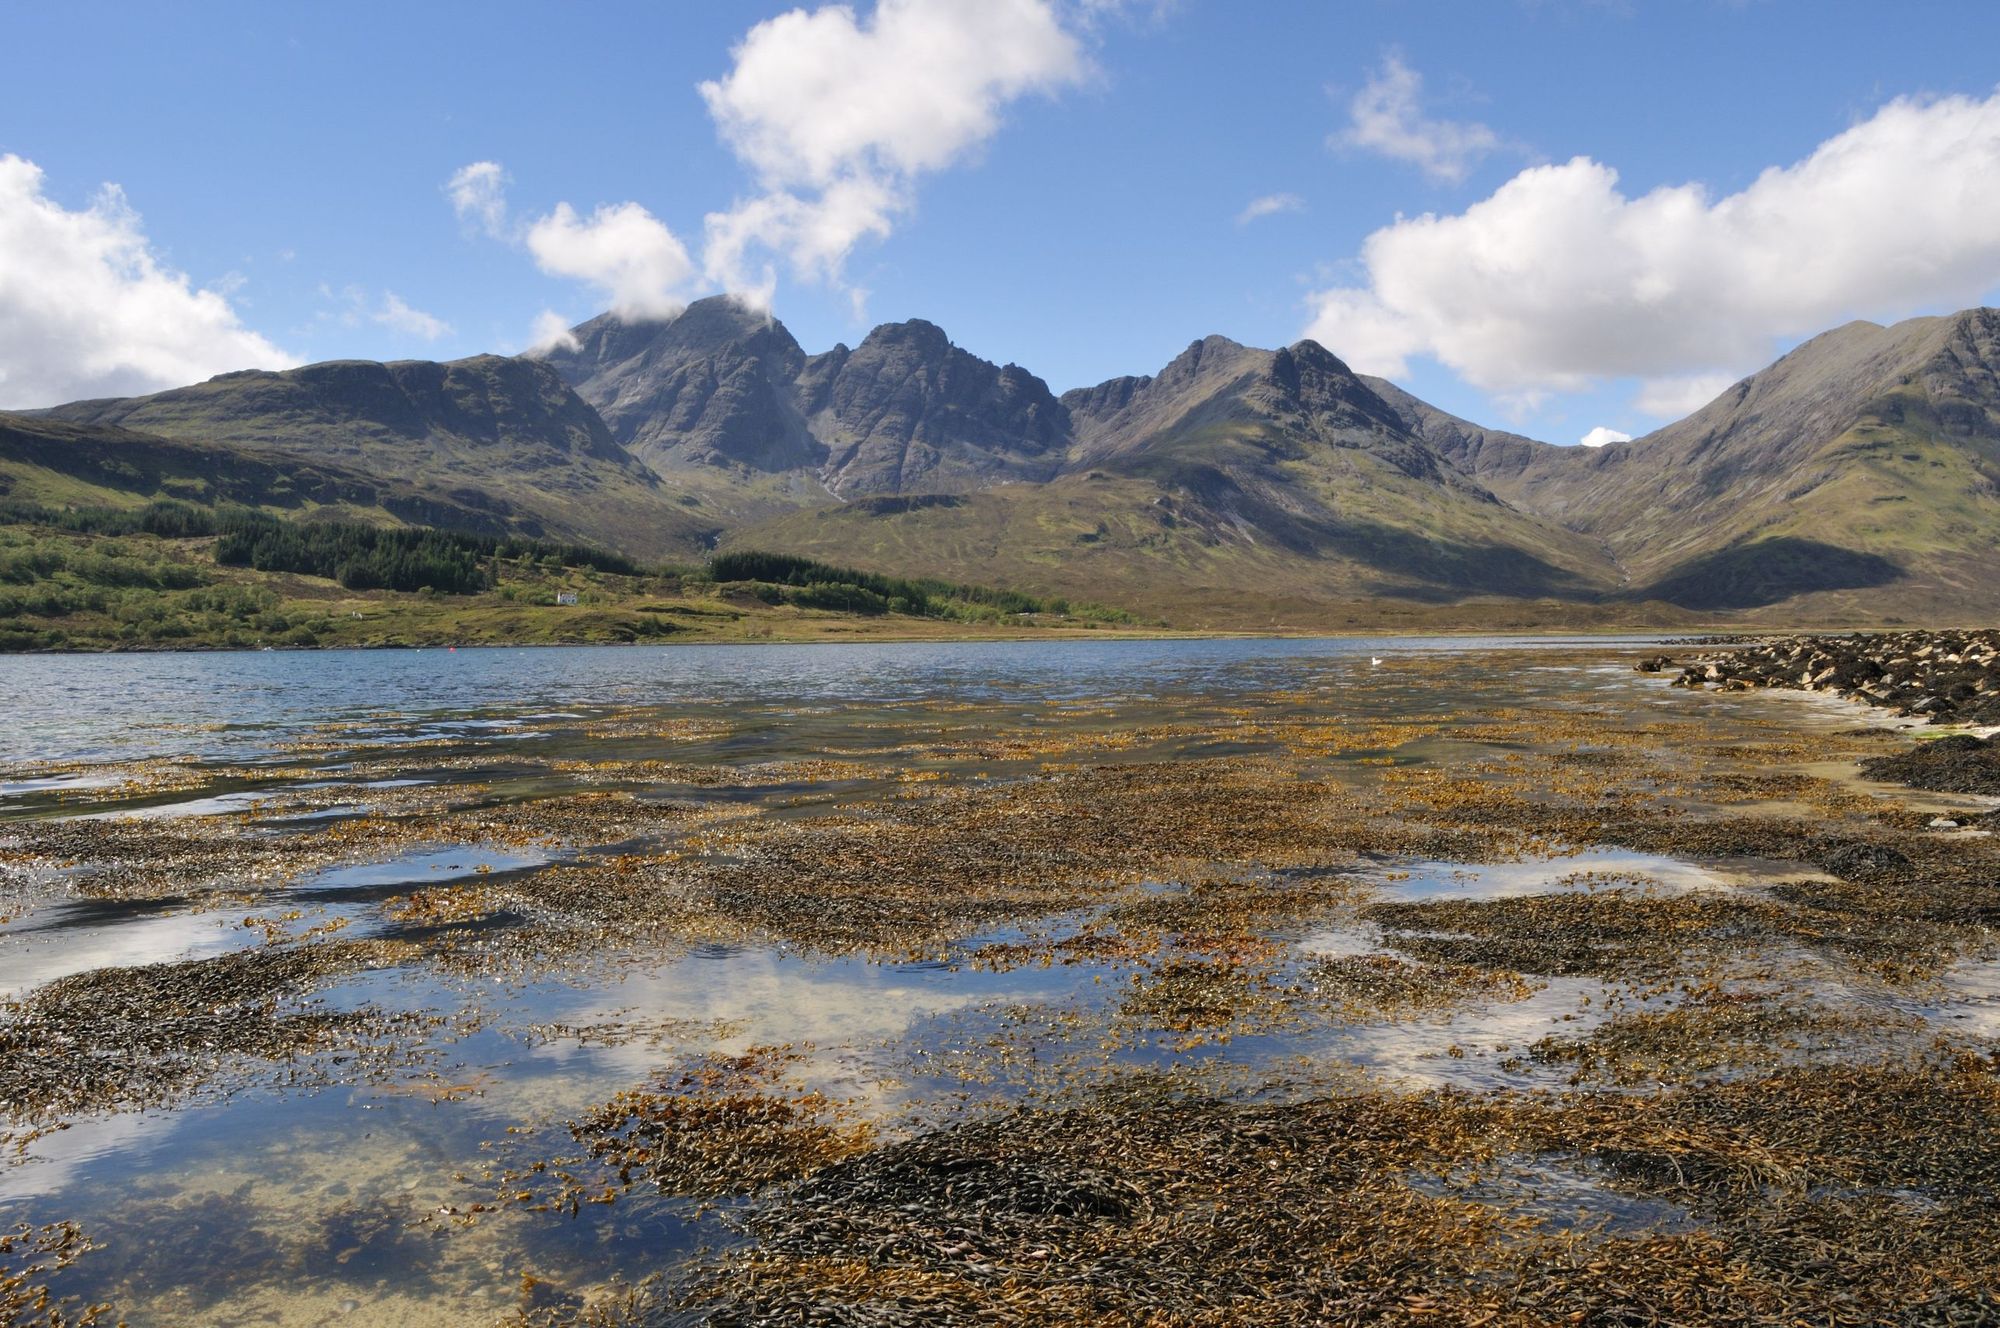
(908, 412)
(53, 462)
(1861, 469)
(721, 388)
(712, 387)
(1856, 479)
(1232, 468)
(500, 438)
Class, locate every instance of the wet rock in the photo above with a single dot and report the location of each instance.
(1946, 677)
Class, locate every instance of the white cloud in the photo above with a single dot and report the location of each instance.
(351, 306)
(838, 115)
(816, 234)
(623, 250)
(1601, 435)
(87, 309)
(1270, 205)
(551, 332)
(1670, 398)
(1388, 117)
(1557, 279)
(395, 314)
(479, 196)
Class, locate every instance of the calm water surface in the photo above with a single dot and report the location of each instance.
(240, 706)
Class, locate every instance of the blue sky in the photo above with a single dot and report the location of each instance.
(1071, 197)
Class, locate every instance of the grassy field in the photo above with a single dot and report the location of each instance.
(79, 590)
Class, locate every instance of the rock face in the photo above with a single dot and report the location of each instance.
(711, 387)
(908, 412)
(1297, 396)
(904, 412)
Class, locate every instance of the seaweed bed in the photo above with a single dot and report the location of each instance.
(1270, 1043)
(1839, 1196)
(1959, 763)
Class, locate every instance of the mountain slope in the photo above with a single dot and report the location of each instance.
(1233, 481)
(1863, 467)
(56, 463)
(493, 435)
(1498, 460)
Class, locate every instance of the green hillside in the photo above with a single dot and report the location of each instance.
(172, 575)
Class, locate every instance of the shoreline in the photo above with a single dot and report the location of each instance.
(1664, 636)
(1937, 676)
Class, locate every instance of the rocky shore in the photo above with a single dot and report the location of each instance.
(1945, 677)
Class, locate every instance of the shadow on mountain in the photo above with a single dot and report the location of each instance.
(1763, 572)
(1425, 568)
(1447, 570)
(146, 465)
(895, 504)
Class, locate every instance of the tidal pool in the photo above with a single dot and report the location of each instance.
(575, 985)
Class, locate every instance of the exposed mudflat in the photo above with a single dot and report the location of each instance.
(1163, 983)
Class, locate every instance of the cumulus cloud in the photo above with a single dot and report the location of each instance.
(1268, 206)
(551, 332)
(815, 234)
(1558, 279)
(837, 116)
(478, 194)
(87, 309)
(623, 250)
(395, 314)
(1601, 435)
(1387, 117)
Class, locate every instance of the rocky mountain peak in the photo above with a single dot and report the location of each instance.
(710, 386)
(920, 335)
(1309, 354)
(908, 411)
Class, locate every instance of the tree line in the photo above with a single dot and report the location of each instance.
(821, 585)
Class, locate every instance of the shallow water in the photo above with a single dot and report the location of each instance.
(311, 1192)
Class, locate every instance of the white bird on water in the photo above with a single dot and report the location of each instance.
(1375, 661)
